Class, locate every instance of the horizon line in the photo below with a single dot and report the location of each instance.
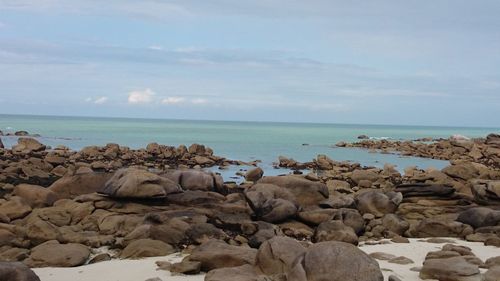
(247, 121)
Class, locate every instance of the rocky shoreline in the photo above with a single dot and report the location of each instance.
(480, 150)
(58, 207)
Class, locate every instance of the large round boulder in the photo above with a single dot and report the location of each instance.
(135, 183)
(378, 203)
(196, 180)
(334, 261)
(53, 254)
(254, 174)
(335, 231)
(306, 192)
(270, 202)
(276, 255)
(364, 175)
(76, 185)
(35, 195)
(479, 217)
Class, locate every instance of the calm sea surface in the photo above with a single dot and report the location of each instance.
(235, 140)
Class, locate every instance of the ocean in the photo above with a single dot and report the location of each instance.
(246, 141)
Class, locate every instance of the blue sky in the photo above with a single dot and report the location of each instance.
(378, 62)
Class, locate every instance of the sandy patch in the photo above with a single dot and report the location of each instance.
(116, 270)
(416, 250)
(143, 269)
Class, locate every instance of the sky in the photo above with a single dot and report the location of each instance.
(409, 62)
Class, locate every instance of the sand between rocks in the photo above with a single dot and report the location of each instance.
(141, 270)
(116, 270)
(416, 250)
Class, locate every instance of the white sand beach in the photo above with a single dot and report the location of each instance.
(117, 270)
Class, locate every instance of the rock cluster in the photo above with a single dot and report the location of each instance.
(454, 262)
(283, 258)
(483, 150)
(139, 209)
(31, 162)
(19, 134)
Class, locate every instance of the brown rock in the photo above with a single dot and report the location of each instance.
(454, 268)
(52, 253)
(254, 174)
(464, 171)
(185, 267)
(36, 196)
(196, 180)
(146, 248)
(271, 203)
(382, 256)
(239, 273)
(401, 260)
(368, 175)
(73, 186)
(100, 258)
(276, 255)
(486, 192)
(40, 231)
(16, 271)
(306, 192)
(335, 231)
(27, 145)
(395, 224)
(14, 254)
(492, 274)
(493, 261)
(202, 232)
(55, 159)
(217, 254)
(334, 261)
(378, 203)
(134, 183)
(441, 228)
(14, 208)
(493, 241)
(480, 217)
(316, 216)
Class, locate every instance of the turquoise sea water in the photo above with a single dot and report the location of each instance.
(235, 140)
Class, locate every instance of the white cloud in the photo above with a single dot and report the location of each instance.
(155, 47)
(101, 100)
(173, 100)
(190, 49)
(141, 96)
(199, 101)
